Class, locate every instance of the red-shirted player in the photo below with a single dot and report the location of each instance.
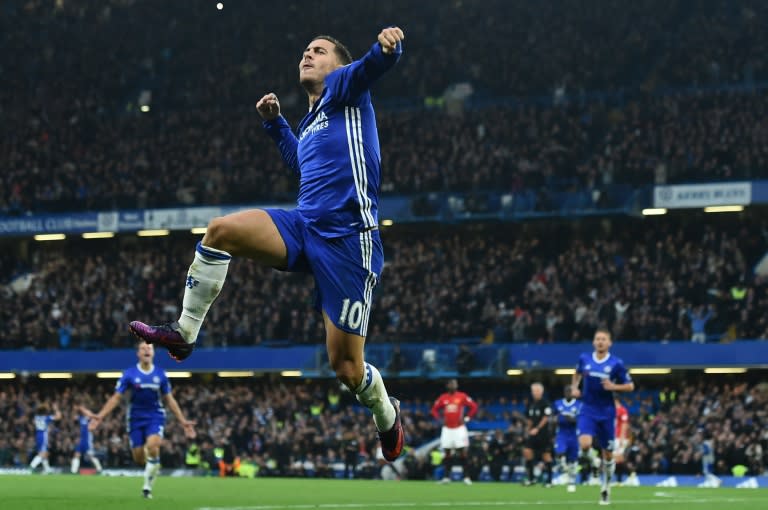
(622, 438)
(454, 436)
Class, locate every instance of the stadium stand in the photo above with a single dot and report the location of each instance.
(202, 143)
(553, 282)
(286, 426)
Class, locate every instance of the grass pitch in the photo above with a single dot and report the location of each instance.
(63, 492)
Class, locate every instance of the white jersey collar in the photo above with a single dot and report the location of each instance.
(594, 358)
(151, 369)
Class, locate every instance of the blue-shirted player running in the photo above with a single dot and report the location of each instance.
(332, 234)
(43, 419)
(566, 439)
(84, 448)
(149, 387)
(602, 374)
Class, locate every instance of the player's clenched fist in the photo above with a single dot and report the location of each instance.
(389, 37)
(268, 107)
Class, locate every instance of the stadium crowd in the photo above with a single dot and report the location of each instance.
(191, 54)
(682, 279)
(296, 428)
(68, 142)
(207, 157)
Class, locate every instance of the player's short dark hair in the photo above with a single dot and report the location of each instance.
(606, 331)
(341, 51)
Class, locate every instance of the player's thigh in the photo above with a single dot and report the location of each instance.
(252, 234)
(346, 271)
(344, 348)
(586, 428)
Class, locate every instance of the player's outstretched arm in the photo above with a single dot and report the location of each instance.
(189, 426)
(349, 82)
(85, 411)
(279, 129)
(109, 406)
(56, 412)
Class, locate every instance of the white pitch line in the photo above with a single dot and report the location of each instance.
(439, 504)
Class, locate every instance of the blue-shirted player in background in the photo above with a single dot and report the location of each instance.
(43, 419)
(332, 234)
(566, 439)
(602, 374)
(84, 448)
(149, 387)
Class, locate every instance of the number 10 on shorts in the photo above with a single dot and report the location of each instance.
(351, 315)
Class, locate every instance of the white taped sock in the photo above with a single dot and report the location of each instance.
(36, 461)
(205, 279)
(573, 469)
(75, 467)
(609, 466)
(373, 395)
(150, 472)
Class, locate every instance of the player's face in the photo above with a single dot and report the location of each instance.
(452, 386)
(146, 352)
(318, 61)
(537, 392)
(601, 342)
(568, 392)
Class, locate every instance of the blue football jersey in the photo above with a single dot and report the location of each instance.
(41, 427)
(42, 421)
(567, 409)
(595, 399)
(147, 389)
(336, 152)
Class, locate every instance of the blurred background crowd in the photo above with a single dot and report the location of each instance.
(298, 428)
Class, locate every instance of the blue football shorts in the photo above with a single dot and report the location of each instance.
(600, 428)
(346, 269)
(85, 447)
(139, 431)
(41, 442)
(567, 443)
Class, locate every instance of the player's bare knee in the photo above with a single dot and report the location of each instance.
(347, 371)
(138, 456)
(218, 234)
